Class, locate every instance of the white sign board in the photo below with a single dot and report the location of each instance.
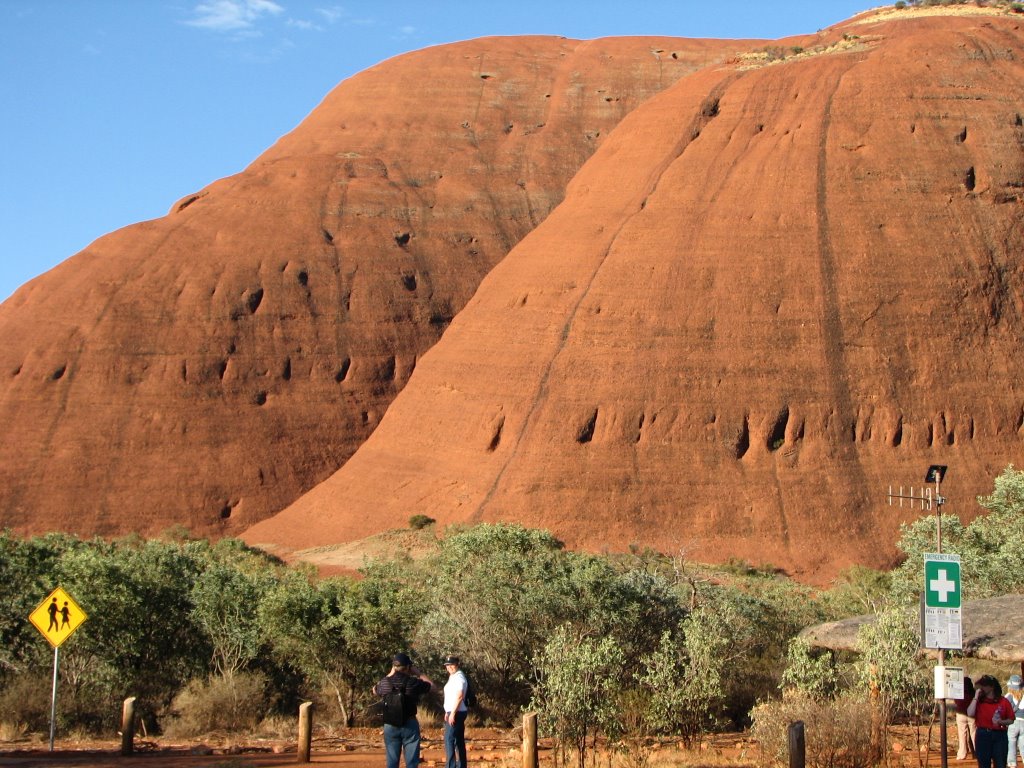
(941, 610)
(949, 682)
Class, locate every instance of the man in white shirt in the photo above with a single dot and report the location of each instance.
(455, 713)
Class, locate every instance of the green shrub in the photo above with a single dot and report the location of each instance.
(810, 672)
(419, 522)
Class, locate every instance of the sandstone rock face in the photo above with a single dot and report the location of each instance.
(772, 292)
(206, 368)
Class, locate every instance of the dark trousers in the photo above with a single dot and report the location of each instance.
(991, 746)
(406, 738)
(455, 741)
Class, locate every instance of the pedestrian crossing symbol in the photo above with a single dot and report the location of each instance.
(57, 617)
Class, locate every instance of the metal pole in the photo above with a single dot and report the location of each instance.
(943, 741)
(53, 699)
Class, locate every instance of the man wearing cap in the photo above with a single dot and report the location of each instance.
(1015, 731)
(405, 738)
(455, 713)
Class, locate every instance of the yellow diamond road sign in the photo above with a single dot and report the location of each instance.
(57, 617)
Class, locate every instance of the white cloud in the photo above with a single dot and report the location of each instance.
(332, 15)
(232, 15)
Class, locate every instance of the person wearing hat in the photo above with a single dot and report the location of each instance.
(1015, 731)
(992, 713)
(455, 713)
(402, 686)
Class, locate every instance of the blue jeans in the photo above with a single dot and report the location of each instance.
(402, 738)
(1015, 733)
(455, 740)
(991, 746)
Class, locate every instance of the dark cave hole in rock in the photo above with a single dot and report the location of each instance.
(342, 373)
(496, 437)
(586, 433)
(777, 436)
(743, 441)
(253, 300)
(969, 179)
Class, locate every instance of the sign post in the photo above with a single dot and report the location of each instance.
(940, 606)
(56, 618)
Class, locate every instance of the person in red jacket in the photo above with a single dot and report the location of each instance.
(992, 714)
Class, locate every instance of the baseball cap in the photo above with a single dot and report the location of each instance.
(1015, 682)
(401, 660)
(451, 660)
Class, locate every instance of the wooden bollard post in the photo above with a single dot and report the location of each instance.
(797, 745)
(305, 730)
(128, 726)
(530, 759)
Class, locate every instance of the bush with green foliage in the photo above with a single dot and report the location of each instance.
(809, 671)
(578, 684)
(890, 662)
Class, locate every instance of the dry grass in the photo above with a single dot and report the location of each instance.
(888, 14)
(772, 55)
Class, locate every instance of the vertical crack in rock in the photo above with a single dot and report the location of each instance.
(833, 347)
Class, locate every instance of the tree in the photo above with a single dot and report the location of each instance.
(888, 663)
(576, 693)
(808, 672)
(226, 598)
(498, 591)
(339, 631)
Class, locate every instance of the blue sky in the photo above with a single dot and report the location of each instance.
(114, 109)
